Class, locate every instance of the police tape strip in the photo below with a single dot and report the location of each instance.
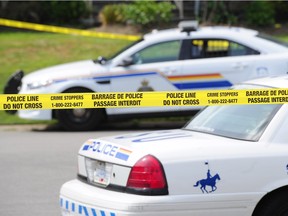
(63, 30)
(142, 99)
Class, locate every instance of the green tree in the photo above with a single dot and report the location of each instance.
(260, 13)
(139, 13)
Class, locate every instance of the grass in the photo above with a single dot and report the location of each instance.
(31, 51)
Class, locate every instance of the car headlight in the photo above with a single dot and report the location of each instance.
(39, 84)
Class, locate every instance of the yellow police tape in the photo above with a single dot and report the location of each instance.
(63, 30)
(142, 99)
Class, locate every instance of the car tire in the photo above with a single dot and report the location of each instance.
(275, 204)
(80, 119)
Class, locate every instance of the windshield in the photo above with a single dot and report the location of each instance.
(125, 48)
(245, 122)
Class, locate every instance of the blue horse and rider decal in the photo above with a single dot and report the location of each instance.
(209, 181)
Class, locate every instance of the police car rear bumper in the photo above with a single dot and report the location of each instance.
(78, 198)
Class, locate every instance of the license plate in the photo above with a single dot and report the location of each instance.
(99, 172)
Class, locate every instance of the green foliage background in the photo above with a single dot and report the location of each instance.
(139, 13)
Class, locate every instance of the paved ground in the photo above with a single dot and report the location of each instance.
(35, 160)
(33, 166)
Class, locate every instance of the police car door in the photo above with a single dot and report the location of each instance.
(148, 69)
(215, 64)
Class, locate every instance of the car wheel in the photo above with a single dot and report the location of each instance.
(79, 119)
(274, 205)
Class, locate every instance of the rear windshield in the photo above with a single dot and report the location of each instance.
(273, 39)
(244, 122)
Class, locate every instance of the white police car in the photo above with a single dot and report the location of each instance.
(169, 60)
(228, 160)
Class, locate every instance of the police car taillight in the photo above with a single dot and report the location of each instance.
(147, 177)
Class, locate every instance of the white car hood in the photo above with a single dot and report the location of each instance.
(80, 69)
(168, 145)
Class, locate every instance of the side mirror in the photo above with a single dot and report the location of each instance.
(101, 60)
(126, 62)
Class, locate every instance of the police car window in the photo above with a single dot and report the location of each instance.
(161, 52)
(236, 49)
(211, 48)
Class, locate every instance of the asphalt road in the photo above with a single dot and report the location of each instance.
(35, 162)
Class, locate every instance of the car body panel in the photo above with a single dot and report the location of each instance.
(161, 145)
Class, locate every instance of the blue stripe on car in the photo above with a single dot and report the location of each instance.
(199, 85)
(179, 85)
(83, 210)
